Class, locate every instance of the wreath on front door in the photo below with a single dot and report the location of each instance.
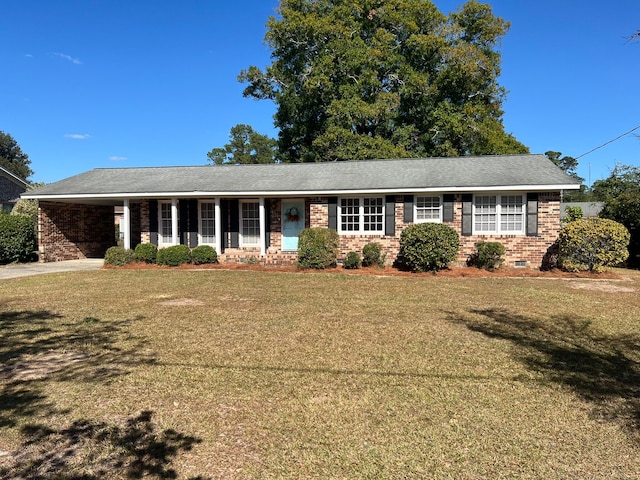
(292, 214)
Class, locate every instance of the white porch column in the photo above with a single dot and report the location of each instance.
(218, 226)
(174, 221)
(263, 229)
(127, 225)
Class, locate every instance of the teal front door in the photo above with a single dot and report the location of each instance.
(292, 223)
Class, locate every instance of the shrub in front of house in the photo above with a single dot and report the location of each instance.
(118, 256)
(145, 252)
(17, 239)
(174, 255)
(318, 248)
(428, 247)
(372, 254)
(351, 261)
(203, 254)
(488, 255)
(572, 214)
(592, 244)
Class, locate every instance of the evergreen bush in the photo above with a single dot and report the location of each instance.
(145, 252)
(174, 255)
(488, 255)
(203, 254)
(351, 261)
(118, 256)
(372, 254)
(318, 248)
(592, 244)
(428, 247)
(17, 239)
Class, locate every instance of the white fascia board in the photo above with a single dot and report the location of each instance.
(297, 193)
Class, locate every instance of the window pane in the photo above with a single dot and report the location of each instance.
(485, 213)
(349, 214)
(511, 214)
(165, 220)
(372, 215)
(250, 223)
(207, 222)
(428, 208)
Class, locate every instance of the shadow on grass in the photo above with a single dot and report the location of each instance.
(96, 450)
(604, 370)
(41, 348)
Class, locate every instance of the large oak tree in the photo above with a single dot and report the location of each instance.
(361, 79)
(12, 158)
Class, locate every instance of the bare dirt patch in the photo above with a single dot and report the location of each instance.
(183, 302)
(601, 287)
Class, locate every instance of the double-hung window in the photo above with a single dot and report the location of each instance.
(165, 222)
(250, 223)
(428, 209)
(207, 222)
(501, 214)
(361, 215)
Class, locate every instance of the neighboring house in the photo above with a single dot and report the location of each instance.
(258, 211)
(589, 209)
(11, 187)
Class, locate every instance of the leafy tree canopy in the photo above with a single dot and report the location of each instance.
(359, 79)
(13, 158)
(620, 193)
(245, 146)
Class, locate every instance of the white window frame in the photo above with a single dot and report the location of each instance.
(360, 215)
(214, 219)
(500, 213)
(417, 209)
(244, 242)
(171, 238)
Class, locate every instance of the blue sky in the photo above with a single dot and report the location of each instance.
(122, 83)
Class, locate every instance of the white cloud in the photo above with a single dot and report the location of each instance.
(118, 159)
(77, 136)
(68, 57)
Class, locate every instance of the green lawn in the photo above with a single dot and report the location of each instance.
(240, 374)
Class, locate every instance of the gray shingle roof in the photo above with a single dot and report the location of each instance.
(399, 175)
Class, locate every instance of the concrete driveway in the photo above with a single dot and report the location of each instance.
(26, 269)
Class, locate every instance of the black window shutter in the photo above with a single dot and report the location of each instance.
(447, 207)
(267, 222)
(193, 223)
(467, 214)
(532, 214)
(224, 219)
(333, 213)
(153, 221)
(408, 209)
(234, 222)
(390, 216)
(183, 222)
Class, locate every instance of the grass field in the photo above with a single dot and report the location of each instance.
(260, 375)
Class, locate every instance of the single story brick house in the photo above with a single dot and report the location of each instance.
(258, 211)
(11, 186)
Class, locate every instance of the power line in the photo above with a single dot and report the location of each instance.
(607, 143)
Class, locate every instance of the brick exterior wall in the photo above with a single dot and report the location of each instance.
(78, 231)
(74, 231)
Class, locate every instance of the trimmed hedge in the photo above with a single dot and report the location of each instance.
(351, 261)
(318, 248)
(204, 254)
(174, 255)
(18, 239)
(372, 254)
(488, 255)
(145, 252)
(428, 247)
(118, 256)
(592, 244)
